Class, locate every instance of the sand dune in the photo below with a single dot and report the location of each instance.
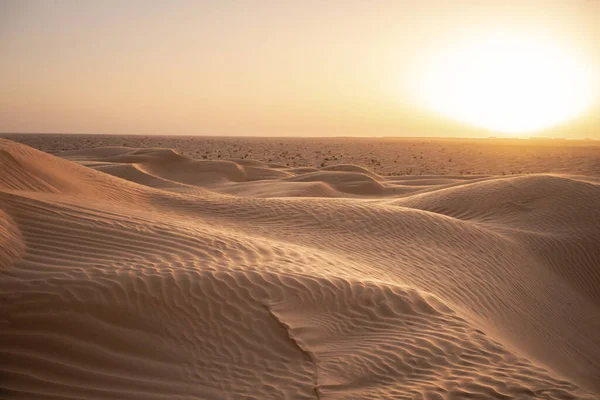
(384, 156)
(131, 273)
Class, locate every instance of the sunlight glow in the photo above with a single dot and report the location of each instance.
(513, 84)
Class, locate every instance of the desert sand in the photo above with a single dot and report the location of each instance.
(154, 268)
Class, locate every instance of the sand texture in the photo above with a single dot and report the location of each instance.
(138, 272)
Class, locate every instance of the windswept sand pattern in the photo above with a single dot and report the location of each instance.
(130, 273)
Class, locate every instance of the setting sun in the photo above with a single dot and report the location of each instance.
(508, 83)
(300, 199)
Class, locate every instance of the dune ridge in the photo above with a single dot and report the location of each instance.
(141, 273)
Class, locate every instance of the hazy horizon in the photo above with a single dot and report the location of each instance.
(301, 69)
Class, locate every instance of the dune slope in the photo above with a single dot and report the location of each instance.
(128, 273)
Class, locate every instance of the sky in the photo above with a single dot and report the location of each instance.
(301, 68)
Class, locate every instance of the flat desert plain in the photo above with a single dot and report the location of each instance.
(164, 267)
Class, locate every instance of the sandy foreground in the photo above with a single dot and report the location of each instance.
(298, 268)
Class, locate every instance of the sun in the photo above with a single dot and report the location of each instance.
(507, 83)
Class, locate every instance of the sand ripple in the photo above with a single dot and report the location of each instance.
(128, 273)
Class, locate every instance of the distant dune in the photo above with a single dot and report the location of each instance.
(384, 156)
(135, 272)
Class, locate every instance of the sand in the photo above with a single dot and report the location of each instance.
(138, 272)
(384, 156)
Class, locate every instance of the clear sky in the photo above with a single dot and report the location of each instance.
(318, 68)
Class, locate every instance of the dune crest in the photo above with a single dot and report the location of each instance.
(141, 273)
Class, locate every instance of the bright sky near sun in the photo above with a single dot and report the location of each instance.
(318, 68)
